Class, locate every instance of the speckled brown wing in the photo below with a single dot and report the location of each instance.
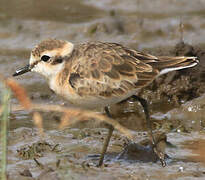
(108, 69)
(165, 64)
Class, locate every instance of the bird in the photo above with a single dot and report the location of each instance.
(99, 74)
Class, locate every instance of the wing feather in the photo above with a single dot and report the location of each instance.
(109, 69)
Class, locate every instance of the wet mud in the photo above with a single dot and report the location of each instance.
(176, 100)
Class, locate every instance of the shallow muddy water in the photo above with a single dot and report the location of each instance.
(151, 26)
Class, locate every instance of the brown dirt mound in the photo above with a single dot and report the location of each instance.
(178, 87)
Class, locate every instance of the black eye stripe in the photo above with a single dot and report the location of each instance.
(45, 58)
(57, 60)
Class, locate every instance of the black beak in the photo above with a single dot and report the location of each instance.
(22, 70)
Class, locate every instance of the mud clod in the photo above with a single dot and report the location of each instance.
(178, 87)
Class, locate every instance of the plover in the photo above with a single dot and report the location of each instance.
(99, 74)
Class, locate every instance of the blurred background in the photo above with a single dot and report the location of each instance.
(160, 27)
(140, 24)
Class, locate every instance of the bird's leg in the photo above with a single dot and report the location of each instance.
(107, 140)
(144, 104)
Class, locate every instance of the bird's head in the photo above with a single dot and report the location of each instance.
(48, 58)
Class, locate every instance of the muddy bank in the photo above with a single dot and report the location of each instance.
(72, 153)
(75, 157)
(181, 86)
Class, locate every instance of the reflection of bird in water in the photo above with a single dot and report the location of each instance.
(97, 74)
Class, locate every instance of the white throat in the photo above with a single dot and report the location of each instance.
(48, 71)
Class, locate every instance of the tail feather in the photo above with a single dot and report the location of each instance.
(167, 64)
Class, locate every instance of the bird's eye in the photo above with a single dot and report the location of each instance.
(45, 58)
